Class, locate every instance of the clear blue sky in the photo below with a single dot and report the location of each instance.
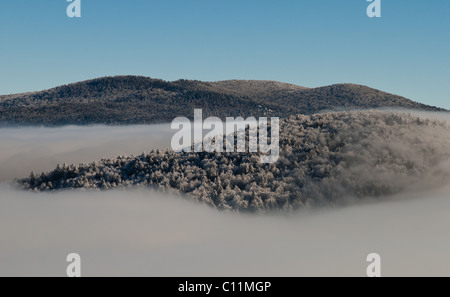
(306, 42)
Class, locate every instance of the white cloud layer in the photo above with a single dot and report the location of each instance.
(137, 232)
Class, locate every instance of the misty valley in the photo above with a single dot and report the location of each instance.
(130, 225)
(332, 169)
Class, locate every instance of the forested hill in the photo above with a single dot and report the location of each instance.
(142, 100)
(325, 160)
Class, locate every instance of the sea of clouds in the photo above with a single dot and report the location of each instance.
(139, 232)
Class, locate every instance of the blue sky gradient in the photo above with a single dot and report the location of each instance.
(310, 43)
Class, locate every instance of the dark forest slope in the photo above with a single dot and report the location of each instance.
(142, 100)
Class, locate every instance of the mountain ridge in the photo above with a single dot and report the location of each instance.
(143, 100)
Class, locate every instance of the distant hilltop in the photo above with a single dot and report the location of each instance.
(122, 100)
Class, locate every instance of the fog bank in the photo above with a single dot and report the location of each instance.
(142, 233)
(23, 150)
(138, 232)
